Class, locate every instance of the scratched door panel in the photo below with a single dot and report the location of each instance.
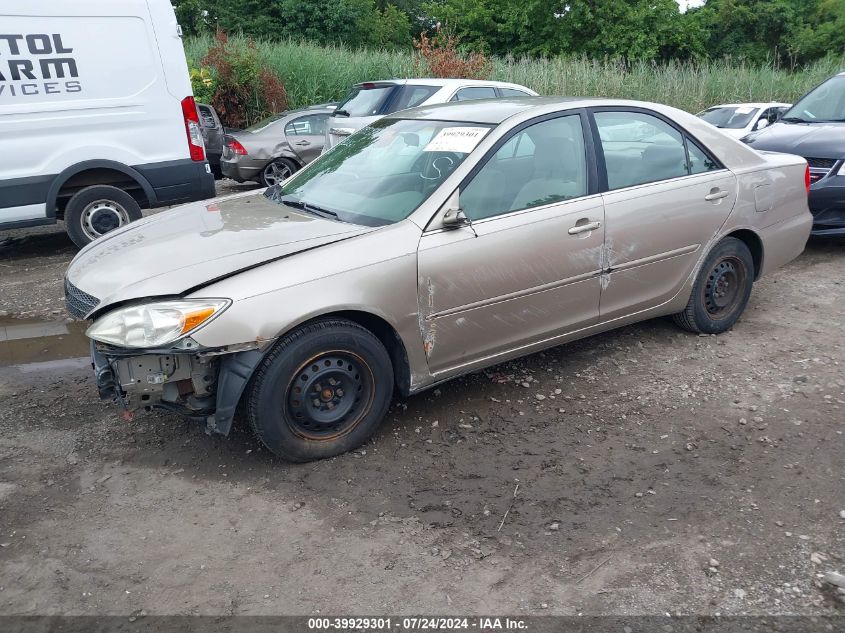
(522, 280)
(655, 234)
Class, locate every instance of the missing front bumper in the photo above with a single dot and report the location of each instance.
(205, 388)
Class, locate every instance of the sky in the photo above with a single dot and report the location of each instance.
(685, 4)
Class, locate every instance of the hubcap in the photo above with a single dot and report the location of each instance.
(102, 216)
(724, 286)
(274, 173)
(329, 395)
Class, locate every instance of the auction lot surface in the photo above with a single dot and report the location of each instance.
(643, 471)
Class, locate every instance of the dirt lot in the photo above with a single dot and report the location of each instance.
(643, 471)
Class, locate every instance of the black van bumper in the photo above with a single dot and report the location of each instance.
(178, 181)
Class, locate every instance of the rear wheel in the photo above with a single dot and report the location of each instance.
(277, 171)
(95, 211)
(323, 390)
(721, 290)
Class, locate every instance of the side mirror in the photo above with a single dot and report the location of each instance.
(761, 124)
(454, 217)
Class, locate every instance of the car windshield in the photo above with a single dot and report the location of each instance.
(263, 123)
(731, 117)
(824, 103)
(366, 100)
(382, 173)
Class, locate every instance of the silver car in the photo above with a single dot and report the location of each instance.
(272, 150)
(433, 243)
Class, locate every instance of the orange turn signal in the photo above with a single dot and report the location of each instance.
(195, 318)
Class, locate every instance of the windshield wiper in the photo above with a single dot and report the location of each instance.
(340, 113)
(794, 119)
(310, 208)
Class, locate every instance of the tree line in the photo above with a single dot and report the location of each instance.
(788, 32)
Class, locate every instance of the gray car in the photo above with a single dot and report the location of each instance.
(277, 147)
(432, 243)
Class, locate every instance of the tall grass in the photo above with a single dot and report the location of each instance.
(314, 74)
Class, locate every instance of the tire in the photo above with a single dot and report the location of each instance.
(721, 289)
(276, 171)
(95, 211)
(323, 390)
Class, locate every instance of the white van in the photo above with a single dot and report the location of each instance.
(97, 117)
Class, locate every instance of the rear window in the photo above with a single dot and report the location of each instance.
(207, 116)
(263, 123)
(733, 117)
(366, 101)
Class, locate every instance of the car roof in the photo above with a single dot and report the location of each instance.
(493, 111)
(761, 104)
(446, 83)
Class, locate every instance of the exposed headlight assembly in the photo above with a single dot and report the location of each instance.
(155, 324)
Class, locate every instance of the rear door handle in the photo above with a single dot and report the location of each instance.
(716, 194)
(583, 228)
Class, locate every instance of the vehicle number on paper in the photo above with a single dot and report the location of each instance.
(461, 140)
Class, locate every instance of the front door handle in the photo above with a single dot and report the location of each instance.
(303, 143)
(584, 228)
(716, 194)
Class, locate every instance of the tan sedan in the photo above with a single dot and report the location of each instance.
(433, 243)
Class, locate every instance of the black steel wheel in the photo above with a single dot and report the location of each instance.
(724, 285)
(321, 391)
(329, 395)
(721, 290)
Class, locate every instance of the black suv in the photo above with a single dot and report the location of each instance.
(212, 134)
(815, 129)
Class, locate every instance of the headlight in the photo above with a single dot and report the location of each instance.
(155, 324)
(841, 171)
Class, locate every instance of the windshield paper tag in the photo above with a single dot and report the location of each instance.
(744, 110)
(457, 139)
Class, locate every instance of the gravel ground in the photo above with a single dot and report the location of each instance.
(642, 471)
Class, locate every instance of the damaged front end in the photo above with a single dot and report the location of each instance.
(204, 385)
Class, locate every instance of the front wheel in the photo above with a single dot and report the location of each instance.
(323, 390)
(721, 289)
(277, 172)
(95, 211)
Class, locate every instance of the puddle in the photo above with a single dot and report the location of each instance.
(24, 341)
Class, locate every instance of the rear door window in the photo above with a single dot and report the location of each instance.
(368, 100)
(512, 92)
(476, 92)
(640, 148)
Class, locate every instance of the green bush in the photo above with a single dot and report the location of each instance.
(314, 74)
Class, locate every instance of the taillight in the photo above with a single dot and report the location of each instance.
(807, 181)
(192, 127)
(236, 147)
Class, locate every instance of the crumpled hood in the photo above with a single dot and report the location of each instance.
(810, 140)
(174, 251)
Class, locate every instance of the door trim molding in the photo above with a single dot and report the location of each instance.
(514, 295)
